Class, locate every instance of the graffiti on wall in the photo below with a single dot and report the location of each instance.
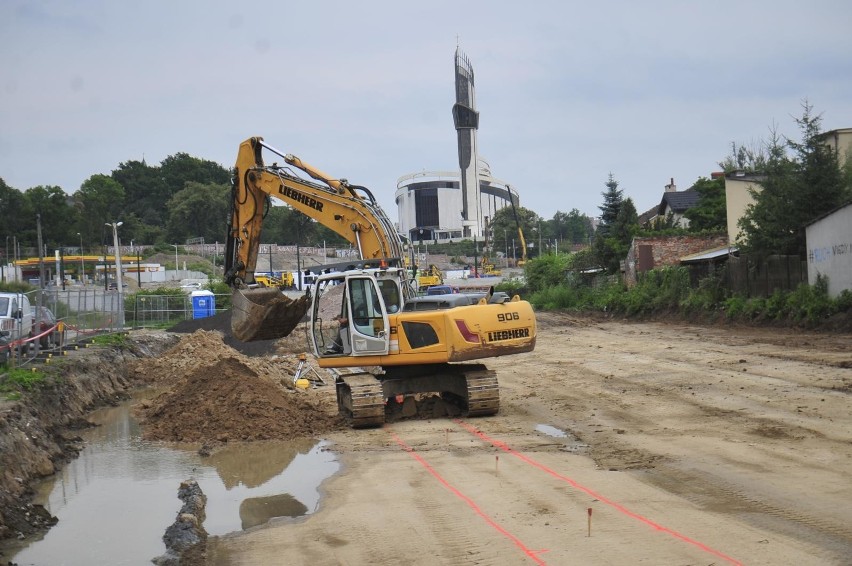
(827, 253)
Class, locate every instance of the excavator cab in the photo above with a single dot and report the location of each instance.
(350, 314)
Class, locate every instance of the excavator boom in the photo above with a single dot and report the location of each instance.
(349, 210)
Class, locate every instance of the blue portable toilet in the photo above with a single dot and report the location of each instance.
(203, 304)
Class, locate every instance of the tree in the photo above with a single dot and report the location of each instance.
(711, 212)
(619, 222)
(145, 191)
(16, 218)
(573, 227)
(149, 190)
(796, 190)
(100, 199)
(198, 210)
(613, 197)
(58, 218)
(626, 222)
(504, 229)
(750, 159)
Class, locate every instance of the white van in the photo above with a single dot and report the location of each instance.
(15, 315)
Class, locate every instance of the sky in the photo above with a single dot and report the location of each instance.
(568, 92)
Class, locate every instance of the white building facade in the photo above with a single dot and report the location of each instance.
(829, 243)
(444, 206)
(430, 204)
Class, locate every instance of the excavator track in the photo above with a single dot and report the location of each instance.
(360, 399)
(483, 393)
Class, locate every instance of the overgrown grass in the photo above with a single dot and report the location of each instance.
(118, 339)
(18, 380)
(668, 291)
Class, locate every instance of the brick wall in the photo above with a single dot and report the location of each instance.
(665, 250)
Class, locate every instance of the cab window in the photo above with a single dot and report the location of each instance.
(390, 294)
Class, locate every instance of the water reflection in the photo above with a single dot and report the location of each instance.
(259, 510)
(256, 463)
(115, 500)
(551, 431)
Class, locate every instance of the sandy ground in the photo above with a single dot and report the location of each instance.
(688, 445)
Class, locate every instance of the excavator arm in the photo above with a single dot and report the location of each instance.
(349, 210)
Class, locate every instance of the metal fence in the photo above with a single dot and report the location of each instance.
(95, 311)
(82, 310)
(81, 313)
(76, 315)
(162, 311)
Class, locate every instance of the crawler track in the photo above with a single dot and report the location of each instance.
(483, 393)
(360, 399)
(471, 387)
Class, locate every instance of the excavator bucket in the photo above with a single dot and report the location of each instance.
(265, 313)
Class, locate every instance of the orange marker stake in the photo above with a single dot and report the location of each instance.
(590, 521)
(496, 463)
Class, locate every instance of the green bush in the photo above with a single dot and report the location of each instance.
(668, 290)
(512, 287)
(707, 297)
(16, 287)
(545, 272)
(811, 303)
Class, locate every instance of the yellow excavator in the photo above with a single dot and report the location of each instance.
(429, 277)
(366, 313)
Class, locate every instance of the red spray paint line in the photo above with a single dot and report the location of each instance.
(505, 447)
(533, 554)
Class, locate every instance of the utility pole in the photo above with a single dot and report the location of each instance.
(118, 277)
(475, 261)
(539, 238)
(82, 267)
(41, 273)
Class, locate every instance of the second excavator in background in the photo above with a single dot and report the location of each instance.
(365, 312)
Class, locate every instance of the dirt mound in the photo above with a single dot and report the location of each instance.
(229, 401)
(204, 348)
(219, 394)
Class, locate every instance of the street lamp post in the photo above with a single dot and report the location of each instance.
(539, 238)
(118, 277)
(176, 261)
(82, 269)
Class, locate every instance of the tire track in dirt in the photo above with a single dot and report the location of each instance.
(535, 465)
(450, 521)
(831, 537)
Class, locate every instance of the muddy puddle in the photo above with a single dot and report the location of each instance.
(116, 499)
(571, 443)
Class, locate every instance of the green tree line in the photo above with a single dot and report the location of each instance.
(181, 198)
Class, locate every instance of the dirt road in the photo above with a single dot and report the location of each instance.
(689, 445)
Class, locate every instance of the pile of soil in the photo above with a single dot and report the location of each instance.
(229, 401)
(217, 394)
(204, 348)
